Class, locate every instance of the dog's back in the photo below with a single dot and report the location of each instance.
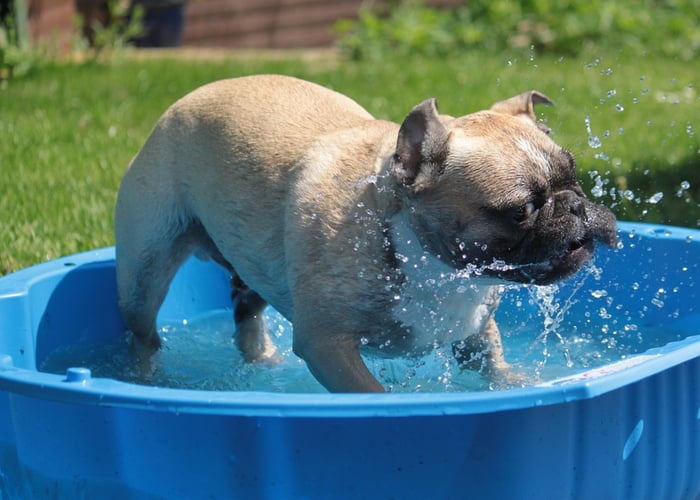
(223, 153)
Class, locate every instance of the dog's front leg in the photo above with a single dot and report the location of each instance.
(335, 361)
(482, 352)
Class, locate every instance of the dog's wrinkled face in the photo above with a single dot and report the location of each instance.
(492, 192)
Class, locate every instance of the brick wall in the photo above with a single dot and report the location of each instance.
(51, 20)
(265, 23)
(226, 23)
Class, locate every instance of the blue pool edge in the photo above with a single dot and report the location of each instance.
(111, 393)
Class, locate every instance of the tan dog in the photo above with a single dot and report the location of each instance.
(362, 233)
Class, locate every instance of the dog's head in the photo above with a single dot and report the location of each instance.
(493, 190)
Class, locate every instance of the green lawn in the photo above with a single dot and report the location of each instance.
(67, 131)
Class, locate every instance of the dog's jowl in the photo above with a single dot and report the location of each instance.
(344, 223)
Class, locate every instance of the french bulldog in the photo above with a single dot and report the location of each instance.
(365, 234)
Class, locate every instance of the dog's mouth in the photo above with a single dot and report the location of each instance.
(577, 250)
(548, 271)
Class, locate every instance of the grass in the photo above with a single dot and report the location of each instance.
(67, 131)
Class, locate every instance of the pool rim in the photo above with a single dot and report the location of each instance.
(86, 390)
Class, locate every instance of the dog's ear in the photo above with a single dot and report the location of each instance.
(422, 144)
(524, 105)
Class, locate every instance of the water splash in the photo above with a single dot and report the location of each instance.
(655, 198)
(684, 187)
(593, 140)
(554, 310)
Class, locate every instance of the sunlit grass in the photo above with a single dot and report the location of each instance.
(68, 131)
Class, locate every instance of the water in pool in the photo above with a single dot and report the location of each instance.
(548, 332)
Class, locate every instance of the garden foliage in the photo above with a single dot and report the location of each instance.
(670, 28)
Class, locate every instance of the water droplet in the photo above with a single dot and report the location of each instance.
(594, 141)
(598, 189)
(655, 198)
(619, 107)
(370, 179)
(593, 64)
(599, 293)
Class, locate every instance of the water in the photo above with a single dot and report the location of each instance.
(548, 332)
(198, 354)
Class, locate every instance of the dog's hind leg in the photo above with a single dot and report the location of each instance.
(145, 268)
(252, 338)
(153, 239)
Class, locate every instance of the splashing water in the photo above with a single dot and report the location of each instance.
(549, 332)
(593, 140)
(655, 198)
(554, 311)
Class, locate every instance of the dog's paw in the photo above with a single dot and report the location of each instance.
(143, 353)
(505, 376)
(268, 355)
(255, 344)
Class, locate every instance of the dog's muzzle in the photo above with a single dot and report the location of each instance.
(599, 226)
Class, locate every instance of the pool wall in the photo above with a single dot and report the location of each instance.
(628, 430)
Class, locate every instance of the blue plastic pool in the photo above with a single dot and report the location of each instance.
(624, 429)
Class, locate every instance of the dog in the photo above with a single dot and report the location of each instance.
(365, 234)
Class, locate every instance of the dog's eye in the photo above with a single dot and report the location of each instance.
(523, 213)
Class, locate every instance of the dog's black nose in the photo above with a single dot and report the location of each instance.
(578, 208)
(568, 202)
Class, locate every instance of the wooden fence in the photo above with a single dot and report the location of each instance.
(224, 23)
